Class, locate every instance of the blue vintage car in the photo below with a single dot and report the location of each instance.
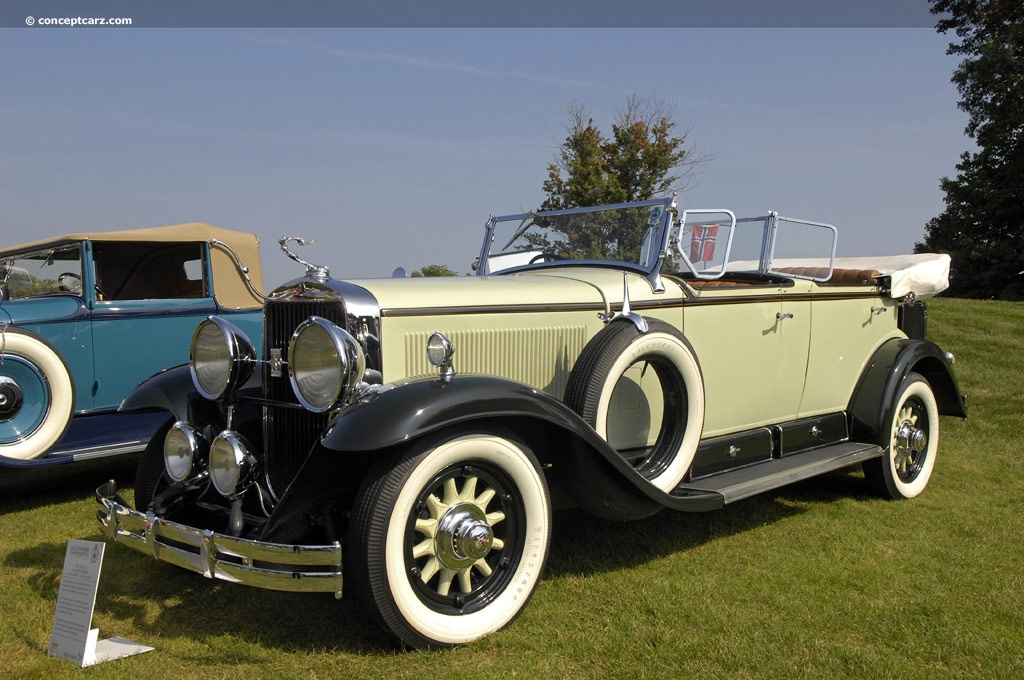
(85, 317)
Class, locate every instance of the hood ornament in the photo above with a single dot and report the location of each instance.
(313, 271)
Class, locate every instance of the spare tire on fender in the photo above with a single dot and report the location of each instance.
(36, 395)
(601, 369)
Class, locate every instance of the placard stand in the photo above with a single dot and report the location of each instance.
(72, 638)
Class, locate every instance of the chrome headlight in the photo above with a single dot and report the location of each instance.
(185, 450)
(221, 357)
(232, 467)
(324, 364)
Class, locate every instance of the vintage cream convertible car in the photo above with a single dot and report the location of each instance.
(410, 434)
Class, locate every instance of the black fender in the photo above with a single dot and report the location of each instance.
(873, 399)
(173, 392)
(170, 390)
(410, 410)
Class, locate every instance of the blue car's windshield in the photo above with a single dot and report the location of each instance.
(44, 272)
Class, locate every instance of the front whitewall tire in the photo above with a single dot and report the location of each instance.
(406, 581)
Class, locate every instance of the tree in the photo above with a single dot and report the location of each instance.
(434, 270)
(642, 159)
(982, 226)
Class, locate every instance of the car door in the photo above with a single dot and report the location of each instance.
(751, 340)
(850, 322)
(148, 298)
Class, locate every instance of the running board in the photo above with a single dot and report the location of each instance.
(74, 455)
(778, 472)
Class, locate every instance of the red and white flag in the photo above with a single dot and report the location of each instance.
(702, 243)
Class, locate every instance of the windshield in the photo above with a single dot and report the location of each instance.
(630, 233)
(53, 271)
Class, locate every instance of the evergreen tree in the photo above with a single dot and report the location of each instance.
(982, 226)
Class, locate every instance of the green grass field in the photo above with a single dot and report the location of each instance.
(817, 580)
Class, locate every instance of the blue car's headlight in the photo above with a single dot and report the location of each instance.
(221, 358)
(185, 451)
(232, 467)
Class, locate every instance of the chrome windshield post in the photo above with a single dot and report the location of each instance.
(480, 264)
(241, 267)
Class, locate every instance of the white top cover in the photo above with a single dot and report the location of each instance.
(923, 274)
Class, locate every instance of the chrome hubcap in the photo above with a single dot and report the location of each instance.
(457, 531)
(11, 397)
(463, 536)
(909, 443)
(911, 439)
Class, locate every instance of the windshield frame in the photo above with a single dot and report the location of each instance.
(653, 248)
(9, 265)
(666, 240)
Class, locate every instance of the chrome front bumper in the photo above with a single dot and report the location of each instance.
(275, 566)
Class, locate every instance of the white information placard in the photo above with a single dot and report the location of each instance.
(73, 638)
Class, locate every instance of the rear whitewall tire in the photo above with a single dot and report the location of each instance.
(904, 470)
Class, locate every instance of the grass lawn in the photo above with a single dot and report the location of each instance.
(816, 580)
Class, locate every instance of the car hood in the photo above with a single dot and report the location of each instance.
(556, 286)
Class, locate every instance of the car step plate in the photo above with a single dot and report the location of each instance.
(779, 472)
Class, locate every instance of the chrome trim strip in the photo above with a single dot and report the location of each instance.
(718, 296)
(295, 568)
(643, 304)
(803, 297)
(525, 309)
(108, 310)
(108, 450)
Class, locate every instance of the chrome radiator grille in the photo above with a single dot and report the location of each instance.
(289, 432)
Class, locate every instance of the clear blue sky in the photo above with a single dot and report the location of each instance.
(391, 146)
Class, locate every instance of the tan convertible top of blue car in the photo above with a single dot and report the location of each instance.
(231, 289)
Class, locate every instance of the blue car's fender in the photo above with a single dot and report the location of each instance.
(170, 390)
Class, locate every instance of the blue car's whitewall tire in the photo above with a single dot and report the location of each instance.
(448, 540)
(604, 362)
(36, 396)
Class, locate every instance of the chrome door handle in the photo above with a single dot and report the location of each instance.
(780, 316)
